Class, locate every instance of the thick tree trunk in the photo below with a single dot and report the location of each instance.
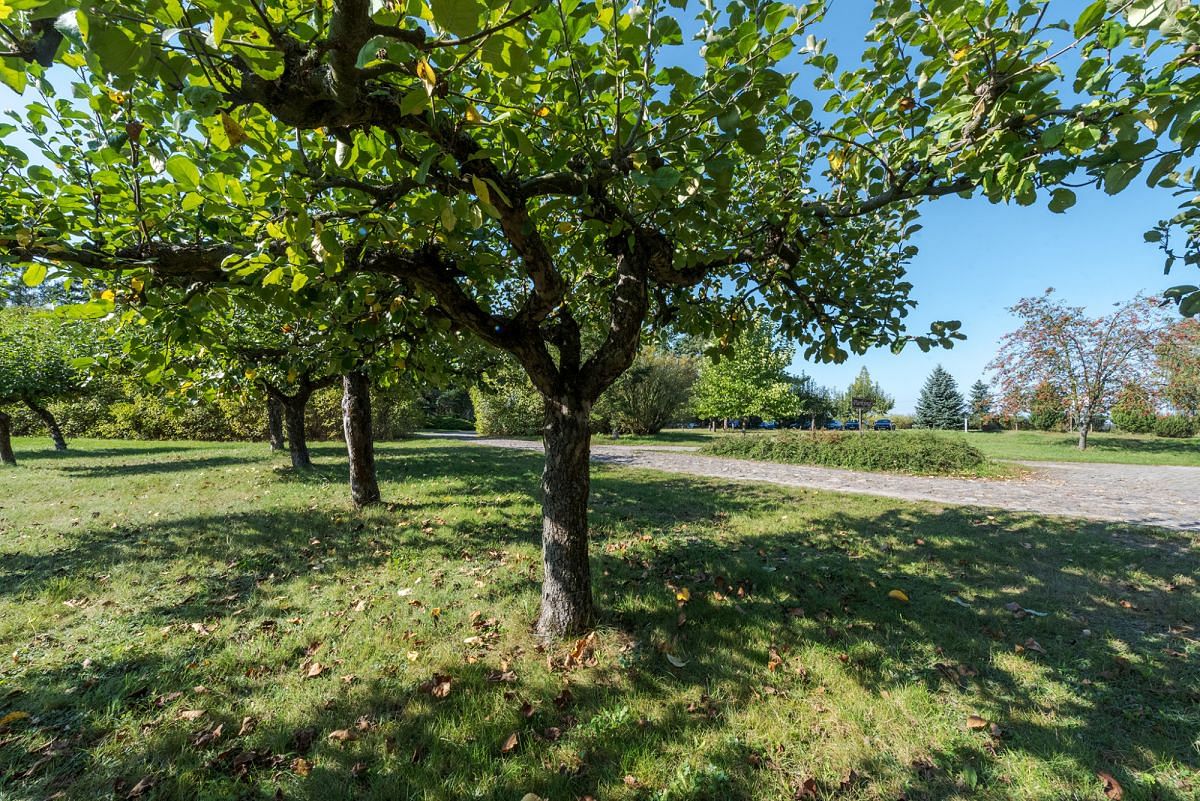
(60, 444)
(275, 424)
(293, 420)
(566, 482)
(360, 443)
(1085, 426)
(6, 452)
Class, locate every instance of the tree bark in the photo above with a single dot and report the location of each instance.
(566, 482)
(360, 443)
(1085, 427)
(60, 444)
(293, 420)
(6, 452)
(275, 424)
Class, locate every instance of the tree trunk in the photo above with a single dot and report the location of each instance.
(275, 424)
(566, 482)
(6, 452)
(60, 444)
(1085, 426)
(293, 420)
(360, 443)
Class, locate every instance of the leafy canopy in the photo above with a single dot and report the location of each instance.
(529, 166)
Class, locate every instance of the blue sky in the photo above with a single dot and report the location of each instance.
(977, 259)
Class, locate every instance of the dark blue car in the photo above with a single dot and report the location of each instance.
(851, 425)
(833, 425)
(883, 424)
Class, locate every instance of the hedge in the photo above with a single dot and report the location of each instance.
(902, 452)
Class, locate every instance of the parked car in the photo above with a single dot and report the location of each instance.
(883, 424)
(833, 425)
(851, 425)
(769, 424)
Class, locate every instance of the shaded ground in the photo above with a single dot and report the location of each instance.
(141, 584)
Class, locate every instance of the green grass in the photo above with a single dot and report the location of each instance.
(1102, 447)
(142, 580)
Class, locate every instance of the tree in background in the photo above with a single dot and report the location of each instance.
(979, 404)
(36, 354)
(529, 167)
(1047, 407)
(1178, 355)
(940, 404)
(1133, 410)
(749, 380)
(813, 401)
(650, 394)
(1087, 358)
(864, 387)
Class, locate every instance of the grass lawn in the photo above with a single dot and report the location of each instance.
(1102, 447)
(198, 620)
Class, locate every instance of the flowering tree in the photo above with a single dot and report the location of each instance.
(1087, 358)
(1179, 366)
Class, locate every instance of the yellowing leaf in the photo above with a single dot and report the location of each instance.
(427, 75)
(473, 116)
(108, 295)
(898, 595)
(481, 189)
(683, 595)
(543, 112)
(13, 717)
(233, 130)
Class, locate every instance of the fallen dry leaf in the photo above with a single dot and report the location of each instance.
(342, 735)
(192, 714)
(206, 738)
(1112, 787)
(248, 724)
(142, 787)
(774, 661)
(807, 789)
(898, 595)
(314, 670)
(12, 717)
(976, 722)
(1033, 645)
(510, 743)
(301, 766)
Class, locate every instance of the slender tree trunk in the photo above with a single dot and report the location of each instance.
(360, 443)
(275, 424)
(566, 587)
(293, 420)
(60, 444)
(6, 452)
(1085, 427)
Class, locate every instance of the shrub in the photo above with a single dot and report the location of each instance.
(1047, 410)
(915, 452)
(1174, 426)
(1133, 412)
(449, 423)
(651, 393)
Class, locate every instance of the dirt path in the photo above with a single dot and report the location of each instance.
(1141, 494)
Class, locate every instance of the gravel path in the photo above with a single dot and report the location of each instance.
(1141, 494)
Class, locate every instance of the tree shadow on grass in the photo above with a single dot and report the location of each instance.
(804, 573)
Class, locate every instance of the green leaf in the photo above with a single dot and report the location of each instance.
(298, 281)
(273, 277)
(1061, 200)
(1090, 16)
(184, 172)
(12, 78)
(459, 17)
(34, 275)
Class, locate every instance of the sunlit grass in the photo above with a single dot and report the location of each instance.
(143, 581)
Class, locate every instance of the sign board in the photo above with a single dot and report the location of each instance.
(860, 404)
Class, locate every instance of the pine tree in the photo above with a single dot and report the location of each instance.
(980, 404)
(941, 404)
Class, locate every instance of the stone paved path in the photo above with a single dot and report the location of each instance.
(1141, 494)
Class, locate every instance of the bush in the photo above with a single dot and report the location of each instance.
(449, 423)
(1174, 426)
(1133, 412)
(916, 452)
(651, 394)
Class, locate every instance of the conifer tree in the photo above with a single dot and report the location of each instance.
(980, 403)
(941, 404)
